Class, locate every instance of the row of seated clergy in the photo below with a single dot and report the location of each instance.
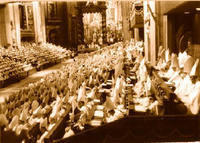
(10, 136)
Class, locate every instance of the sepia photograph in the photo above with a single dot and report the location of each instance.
(99, 71)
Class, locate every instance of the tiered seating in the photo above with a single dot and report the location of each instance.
(182, 72)
(46, 101)
(94, 90)
(15, 63)
(46, 53)
(11, 70)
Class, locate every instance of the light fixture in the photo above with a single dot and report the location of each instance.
(198, 9)
(186, 12)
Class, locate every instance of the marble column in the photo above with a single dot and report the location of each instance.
(16, 15)
(80, 28)
(39, 22)
(125, 20)
(136, 34)
(10, 25)
(43, 25)
(150, 31)
(104, 27)
(3, 37)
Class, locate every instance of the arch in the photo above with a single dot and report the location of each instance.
(82, 8)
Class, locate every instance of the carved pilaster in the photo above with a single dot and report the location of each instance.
(104, 27)
(80, 28)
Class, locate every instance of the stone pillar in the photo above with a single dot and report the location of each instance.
(196, 36)
(74, 33)
(8, 19)
(125, 20)
(80, 28)
(165, 31)
(146, 31)
(43, 25)
(39, 22)
(10, 25)
(136, 34)
(68, 19)
(3, 36)
(104, 27)
(150, 31)
(16, 15)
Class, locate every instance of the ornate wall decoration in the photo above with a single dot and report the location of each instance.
(26, 21)
(51, 10)
(137, 15)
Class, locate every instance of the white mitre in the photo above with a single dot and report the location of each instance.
(195, 69)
